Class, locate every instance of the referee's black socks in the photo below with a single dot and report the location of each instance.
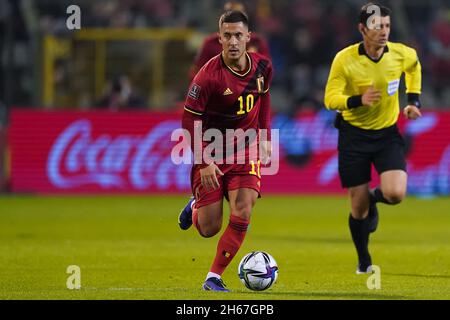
(360, 235)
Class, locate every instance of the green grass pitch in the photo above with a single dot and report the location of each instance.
(132, 248)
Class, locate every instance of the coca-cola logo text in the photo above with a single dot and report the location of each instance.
(76, 158)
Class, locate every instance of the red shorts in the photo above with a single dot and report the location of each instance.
(235, 176)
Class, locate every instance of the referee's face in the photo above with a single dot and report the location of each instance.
(379, 35)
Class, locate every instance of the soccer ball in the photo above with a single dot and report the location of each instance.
(258, 270)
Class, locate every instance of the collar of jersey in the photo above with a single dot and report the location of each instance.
(235, 72)
(362, 52)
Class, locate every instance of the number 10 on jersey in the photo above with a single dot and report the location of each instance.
(249, 103)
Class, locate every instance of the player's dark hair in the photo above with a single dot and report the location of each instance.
(364, 13)
(233, 16)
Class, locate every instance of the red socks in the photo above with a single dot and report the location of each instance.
(229, 243)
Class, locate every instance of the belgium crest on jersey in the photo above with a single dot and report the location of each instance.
(260, 83)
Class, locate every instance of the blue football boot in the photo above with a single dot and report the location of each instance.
(185, 216)
(214, 284)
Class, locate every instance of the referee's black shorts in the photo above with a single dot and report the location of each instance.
(359, 148)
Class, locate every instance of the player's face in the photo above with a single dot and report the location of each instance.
(234, 37)
(379, 35)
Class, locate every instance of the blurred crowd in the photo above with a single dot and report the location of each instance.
(303, 37)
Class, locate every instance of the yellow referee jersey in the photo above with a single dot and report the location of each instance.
(352, 72)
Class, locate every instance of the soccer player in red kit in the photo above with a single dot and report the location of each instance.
(229, 92)
(212, 46)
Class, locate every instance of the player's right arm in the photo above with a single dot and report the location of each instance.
(194, 109)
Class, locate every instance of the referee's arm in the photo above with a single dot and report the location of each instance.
(413, 76)
(335, 99)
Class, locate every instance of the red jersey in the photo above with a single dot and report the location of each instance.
(225, 99)
(211, 47)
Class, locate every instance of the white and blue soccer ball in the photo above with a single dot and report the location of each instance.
(258, 270)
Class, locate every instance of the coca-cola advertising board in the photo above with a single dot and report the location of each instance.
(101, 152)
(130, 152)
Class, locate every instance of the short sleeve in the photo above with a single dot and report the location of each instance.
(268, 77)
(199, 93)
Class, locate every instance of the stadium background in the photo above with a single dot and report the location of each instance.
(59, 138)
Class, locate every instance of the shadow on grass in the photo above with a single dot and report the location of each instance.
(304, 239)
(324, 295)
(429, 276)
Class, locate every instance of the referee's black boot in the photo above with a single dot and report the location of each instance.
(185, 216)
(364, 268)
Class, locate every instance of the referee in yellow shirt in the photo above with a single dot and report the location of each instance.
(363, 87)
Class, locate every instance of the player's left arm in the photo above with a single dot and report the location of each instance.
(264, 119)
(264, 124)
(413, 79)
